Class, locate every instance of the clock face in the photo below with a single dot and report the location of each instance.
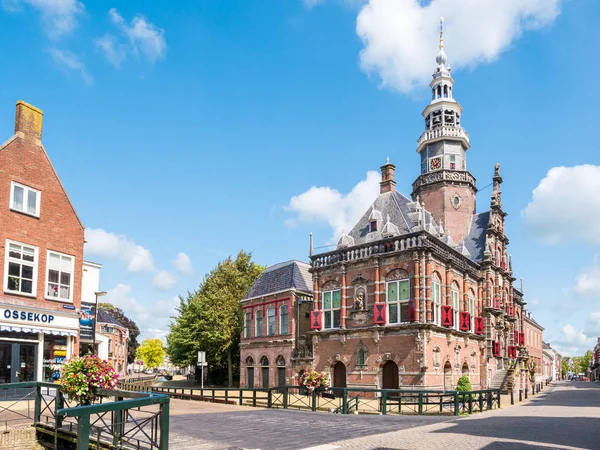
(435, 163)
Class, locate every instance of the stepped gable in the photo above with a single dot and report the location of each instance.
(281, 277)
(475, 240)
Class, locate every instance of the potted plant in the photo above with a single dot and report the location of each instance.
(82, 378)
(312, 380)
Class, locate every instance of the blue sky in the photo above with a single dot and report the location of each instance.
(185, 131)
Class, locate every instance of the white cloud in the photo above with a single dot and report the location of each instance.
(164, 280)
(573, 341)
(112, 49)
(71, 63)
(152, 320)
(103, 243)
(588, 280)
(592, 325)
(400, 37)
(312, 3)
(183, 263)
(327, 205)
(566, 206)
(142, 38)
(59, 17)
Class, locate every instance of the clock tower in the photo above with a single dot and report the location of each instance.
(445, 186)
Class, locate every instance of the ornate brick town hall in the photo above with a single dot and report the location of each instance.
(417, 294)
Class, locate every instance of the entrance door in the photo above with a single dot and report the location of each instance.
(250, 377)
(447, 376)
(265, 377)
(339, 375)
(26, 368)
(390, 375)
(281, 376)
(5, 362)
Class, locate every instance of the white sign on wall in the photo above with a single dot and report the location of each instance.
(30, 317)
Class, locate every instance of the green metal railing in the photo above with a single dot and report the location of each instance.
(122, 419)
(345, 400)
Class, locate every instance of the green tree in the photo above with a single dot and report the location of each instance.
(134, 331)
(564, 365)
(210, 318)
(152, 352)
(584, 362)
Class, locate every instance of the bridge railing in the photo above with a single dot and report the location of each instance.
(121, 419)
(345, 400)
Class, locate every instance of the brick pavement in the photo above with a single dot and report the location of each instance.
(564, 417)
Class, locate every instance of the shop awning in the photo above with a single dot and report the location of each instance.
(39, 330)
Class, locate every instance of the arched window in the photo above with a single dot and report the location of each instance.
(360, 356)
(258, 328)
(436, 297)
(280, 361)
(249, 361)
(283, 319)
(264, 361)
(271, 321)
(247, 324)
(454, 293)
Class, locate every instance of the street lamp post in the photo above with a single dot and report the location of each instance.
(95, 321)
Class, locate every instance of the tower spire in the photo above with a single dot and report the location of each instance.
(441, 32)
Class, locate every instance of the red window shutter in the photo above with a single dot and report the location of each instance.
(412, 312)
(447, 315)
(496, 302)
(496, 348)
(479, 325)
(316, 320)
(379, 313)
(465, 321)
(521, 339)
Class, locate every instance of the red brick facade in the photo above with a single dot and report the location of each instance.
(23, 160)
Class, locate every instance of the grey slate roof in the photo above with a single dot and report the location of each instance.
(105, 317)
(402, 212)
(475, 241)
(280, 277)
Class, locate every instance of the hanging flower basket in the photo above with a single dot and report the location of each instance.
(312, 380)
(82, 378)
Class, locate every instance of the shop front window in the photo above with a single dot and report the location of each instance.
(55, 355)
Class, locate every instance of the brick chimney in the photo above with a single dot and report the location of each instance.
(387, 184)
(28, 121)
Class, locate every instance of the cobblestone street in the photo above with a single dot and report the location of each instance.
(565, 416)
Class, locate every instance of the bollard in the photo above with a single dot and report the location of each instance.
(520, 395)
(533, 389)
(512, 397)
(526, 390)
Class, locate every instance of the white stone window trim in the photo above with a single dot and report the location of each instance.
(26, 190)
(59, 299)
(437, 302)
(454, 294)
(8, 259)
(271, 315)
(287, 324)
(331, 309)
(397, 302)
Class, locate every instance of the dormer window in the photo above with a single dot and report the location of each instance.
(25, 199)
(373, 226)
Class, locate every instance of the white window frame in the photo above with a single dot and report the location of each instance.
(35, 263)
(287, 321)
(26, 190)
(247, 325)
(274, 322)
(471, 310)
(397, 302)
(455, 308)
(437, 302)
(331, 309)
(58, 299)
(258, 330)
